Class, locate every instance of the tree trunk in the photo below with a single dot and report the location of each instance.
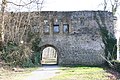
(2, 21)
(118, 53)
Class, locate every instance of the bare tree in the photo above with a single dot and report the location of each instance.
(16, 28)
(3, 5)
(38, 3)
(114, 4)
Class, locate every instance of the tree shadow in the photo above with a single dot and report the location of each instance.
(114, 74)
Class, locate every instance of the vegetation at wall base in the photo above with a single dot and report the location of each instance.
(108, 38)
(21, 55)
(116, 65)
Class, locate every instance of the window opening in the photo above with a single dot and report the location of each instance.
(65, 28)
(56, 28)
(46, 29)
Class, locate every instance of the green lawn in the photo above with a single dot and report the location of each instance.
(84, 73)
(66, 73)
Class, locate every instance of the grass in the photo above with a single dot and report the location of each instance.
(12, 75)
(66, 73)
(84, 73)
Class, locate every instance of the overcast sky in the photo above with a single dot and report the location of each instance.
(72, 5)
(61, 5)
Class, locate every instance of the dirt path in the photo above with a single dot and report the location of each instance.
(43, 73)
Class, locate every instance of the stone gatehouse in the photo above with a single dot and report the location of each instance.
(74, 34)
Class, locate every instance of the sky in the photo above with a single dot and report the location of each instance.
(71, 5)
(60, 5)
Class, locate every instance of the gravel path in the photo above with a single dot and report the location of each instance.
(44, 73)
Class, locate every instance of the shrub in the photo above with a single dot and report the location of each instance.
(16, 55)
(116, 65)
(22, 55)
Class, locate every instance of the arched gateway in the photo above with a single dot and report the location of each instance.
(49, 54)
(75, 35)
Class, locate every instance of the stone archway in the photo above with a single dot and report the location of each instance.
(49, 55)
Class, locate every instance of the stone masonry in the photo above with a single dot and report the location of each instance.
(74, 34)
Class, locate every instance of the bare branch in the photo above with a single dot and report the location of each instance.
(105, 5)
(21, 4)
(111, 2)
(42, 3)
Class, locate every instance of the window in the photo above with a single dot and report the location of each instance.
(56, 28)
(46, 29)
(65, 28)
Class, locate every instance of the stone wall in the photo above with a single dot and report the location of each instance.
(81, 43)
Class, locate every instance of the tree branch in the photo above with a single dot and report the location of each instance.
(20, 4)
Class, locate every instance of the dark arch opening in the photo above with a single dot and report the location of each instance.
(49, 55)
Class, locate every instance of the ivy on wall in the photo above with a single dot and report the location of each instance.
(36, 57)
(108, 38)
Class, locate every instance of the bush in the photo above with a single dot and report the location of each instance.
(16, 55)
(22, 55)
(116, 65)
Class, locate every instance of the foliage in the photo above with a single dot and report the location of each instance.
(110, 44)
(36, 57)
(116, 65)
(35, 44)
(24, 54)
(16, 55)
(107, 37)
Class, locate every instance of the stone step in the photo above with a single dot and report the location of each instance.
(49, 61)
